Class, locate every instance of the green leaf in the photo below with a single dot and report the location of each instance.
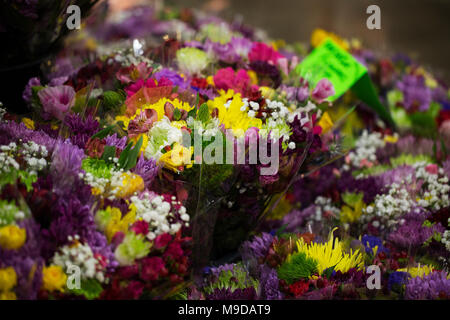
(91, 289)
(134, 154)
(123, 159)
(103, 133)
(328, 272)
(203, 113)
(176, 114)
(112, 99)
(109, 152)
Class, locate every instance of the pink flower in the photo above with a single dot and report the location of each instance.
(133, 73)
(227, 79)
(323, 90)
(57, 100)
(162, 241)
(140, 227)
(262, 52)
(432, 168)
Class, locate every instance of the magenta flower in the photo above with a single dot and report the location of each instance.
(57, 100)
(323, 90)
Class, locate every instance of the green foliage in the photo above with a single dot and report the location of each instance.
(8, 212)
(97, 167)
(103, 133)
(238, 278)
(203, 113)
(11, 177)
(109, 152)
(90, 288)
(113, 100)
(128, 157)
(298, 266)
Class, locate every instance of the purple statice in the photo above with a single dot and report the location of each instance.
(398, 278)
(222, 52)
(66, 166)
(369, 186)
(396, 175)
(370, 242)
(416, 95)
(81, 129)
(28, 92)
(408, 144)
(11, 131)
(269, 284)
(173, 77)
(297, 218)
(147, 169)
(433, 286)
(99, 244)
(256, 248)
(236, 294)
(413, 233)
(216, 271)
(241, 46)
(115, 141)
(294, 94)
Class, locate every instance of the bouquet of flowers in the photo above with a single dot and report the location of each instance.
(181, 135)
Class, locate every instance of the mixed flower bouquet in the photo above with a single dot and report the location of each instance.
(141, 171)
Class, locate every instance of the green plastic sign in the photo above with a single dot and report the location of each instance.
(338, 66)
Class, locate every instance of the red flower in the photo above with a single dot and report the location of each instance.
(153, 268)
(299, 288)
(174, 251)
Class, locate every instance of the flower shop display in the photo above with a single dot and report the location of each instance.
(169, 154)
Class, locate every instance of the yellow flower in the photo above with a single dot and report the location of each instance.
(28, 123)
(8, 279)
(331, 254)
(177, 158)
(253, 77)
(419, 271)
(267, 92)
(230, 115)
(210, 80)
(117, 223)
(391, 139)
(12, 237)
(131, 183)
(9, 295)
(325, 122)
(319, 35)
(53, 278)
(352, 213)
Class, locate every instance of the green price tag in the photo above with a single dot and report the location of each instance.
(338, 66)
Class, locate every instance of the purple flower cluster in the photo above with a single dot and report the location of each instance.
(433, 286)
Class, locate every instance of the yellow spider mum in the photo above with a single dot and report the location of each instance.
(419, 271)
(331, 254)
(230, 113)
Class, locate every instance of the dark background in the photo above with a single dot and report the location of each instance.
(419, 28)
